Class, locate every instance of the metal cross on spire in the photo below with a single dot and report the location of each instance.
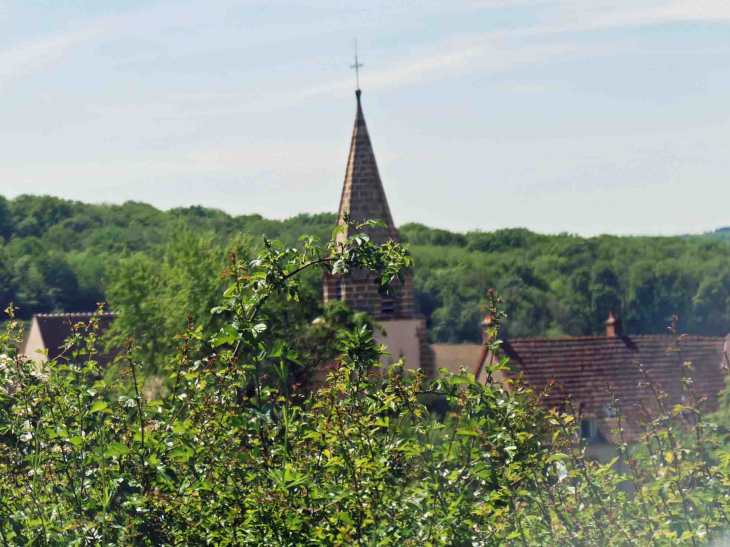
(357, 66)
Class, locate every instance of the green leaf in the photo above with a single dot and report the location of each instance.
(277, 349)
(117, 449)
(181, 453)
(344, 517)
(227, 335)
(221, 339)
(98, 406)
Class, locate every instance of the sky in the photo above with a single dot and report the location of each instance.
(579, 116)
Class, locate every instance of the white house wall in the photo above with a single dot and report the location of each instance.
(34, 342)
(401, 338)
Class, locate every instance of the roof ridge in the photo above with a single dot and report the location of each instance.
(79, 314)
(578, 338)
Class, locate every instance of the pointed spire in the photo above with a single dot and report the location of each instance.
(363, 198)
(363, 195)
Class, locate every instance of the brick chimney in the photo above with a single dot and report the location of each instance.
(613, 326)
(486, 358)
(486, 323)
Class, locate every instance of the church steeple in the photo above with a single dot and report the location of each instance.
(363, 197)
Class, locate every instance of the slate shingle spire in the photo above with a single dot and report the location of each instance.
(363, 197)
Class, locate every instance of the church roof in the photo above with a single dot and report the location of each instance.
(363, 195)
(584, 367)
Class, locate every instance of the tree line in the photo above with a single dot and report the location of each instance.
(59, 255)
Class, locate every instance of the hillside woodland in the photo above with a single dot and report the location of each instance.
(61, 255)
(233, 455)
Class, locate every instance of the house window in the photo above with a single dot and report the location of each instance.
(387, 304)
(588, 428)
(338, 290)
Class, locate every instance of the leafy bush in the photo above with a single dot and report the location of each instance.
(233, 458)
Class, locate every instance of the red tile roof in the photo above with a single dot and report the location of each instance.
(584, 367)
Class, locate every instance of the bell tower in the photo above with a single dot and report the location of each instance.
(363, 197)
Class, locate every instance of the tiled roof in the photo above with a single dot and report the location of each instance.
(54, 330)
(80, 314)
(584, 367)
(454, 356)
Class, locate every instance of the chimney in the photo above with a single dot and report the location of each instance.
(486, 323)
(613, 326)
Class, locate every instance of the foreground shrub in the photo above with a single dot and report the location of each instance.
(237, 456)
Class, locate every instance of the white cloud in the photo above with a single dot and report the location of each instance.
(530, 87)
(255, 157)
(491, 51)
(718, 10)
(580, 15)
(34, 55)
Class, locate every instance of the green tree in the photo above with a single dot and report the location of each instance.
(154, 297)
(7, 282)
(711, 304)
(6, 221)
(565, 293)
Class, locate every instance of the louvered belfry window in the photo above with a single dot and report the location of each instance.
(387, 304)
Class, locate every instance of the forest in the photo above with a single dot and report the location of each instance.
(59, 255)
